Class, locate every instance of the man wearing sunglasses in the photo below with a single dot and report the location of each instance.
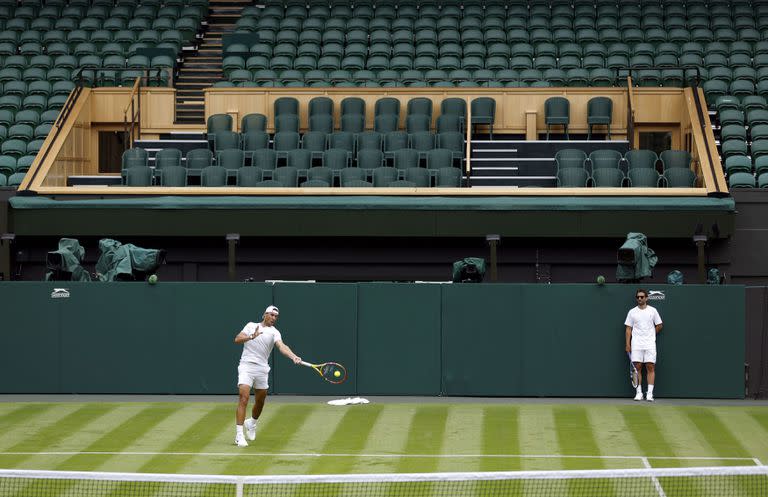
(641, 326)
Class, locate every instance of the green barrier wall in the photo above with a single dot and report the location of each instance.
(394, 339)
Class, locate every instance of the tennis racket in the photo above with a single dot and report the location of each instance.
(332, 372)
(634, 377)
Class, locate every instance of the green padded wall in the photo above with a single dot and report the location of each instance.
(398, 333)
(30, 335)
(206, 318)
(318, 322)
(408, 339)
(568, 340)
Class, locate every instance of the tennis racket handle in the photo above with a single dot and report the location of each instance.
(305, 363)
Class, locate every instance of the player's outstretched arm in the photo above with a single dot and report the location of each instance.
(287, 352)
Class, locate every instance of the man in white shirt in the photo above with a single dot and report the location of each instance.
(253, 370)
(642, 324)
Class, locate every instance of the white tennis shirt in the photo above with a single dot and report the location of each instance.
(643, 323)
(257, 351)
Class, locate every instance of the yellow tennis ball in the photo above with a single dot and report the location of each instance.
(337, 373)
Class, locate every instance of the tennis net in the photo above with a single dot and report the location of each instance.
(749, 481)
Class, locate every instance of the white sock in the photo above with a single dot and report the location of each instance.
(250, 422)
(239, 431)
(650, 389)
(639, 389)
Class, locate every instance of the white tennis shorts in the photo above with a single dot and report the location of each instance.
(253, 375)
(644, 355)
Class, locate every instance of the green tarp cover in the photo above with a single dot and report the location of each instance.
(311, 202)
(64, 263)
(119, 262)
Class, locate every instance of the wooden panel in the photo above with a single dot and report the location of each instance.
(419, 192)
(655, 106)
(69, 154)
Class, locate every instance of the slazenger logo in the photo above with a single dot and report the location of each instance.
(656, 295)
(60, 293)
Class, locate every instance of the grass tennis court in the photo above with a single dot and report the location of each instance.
(314, 438)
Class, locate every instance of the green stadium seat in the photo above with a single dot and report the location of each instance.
(15, 179)
(264, 158)
(570, 158)
(324, 174)
(608, 159)
(678, 177)
(213, 176)
(608, 178)
(643, 178)
(249, 176)
(572, 178)
(173, 176)
(675, 159)
(741, 180)
(557, 113)
(138, 176)
(641, 159)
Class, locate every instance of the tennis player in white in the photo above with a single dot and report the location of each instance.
(253, 370)
(642, 324)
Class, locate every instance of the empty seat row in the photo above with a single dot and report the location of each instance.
(268, 159)
(613, 159)
(315, 46)
(318, 142)
(634, 178)
(289, 177)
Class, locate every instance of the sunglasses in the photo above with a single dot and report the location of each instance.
(640, 296)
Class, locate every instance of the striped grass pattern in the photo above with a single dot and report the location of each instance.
(293, 438)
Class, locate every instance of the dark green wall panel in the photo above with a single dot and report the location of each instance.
(29, 341)
(206, 317)
(398, 333)
(495, 340)
(318, 322)
(114, 341)
(482, 339)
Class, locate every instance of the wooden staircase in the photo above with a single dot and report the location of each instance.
(203, 68)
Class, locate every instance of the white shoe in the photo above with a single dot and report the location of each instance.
(250, 430)
(240, 441)
(639, 396)
(649, 397)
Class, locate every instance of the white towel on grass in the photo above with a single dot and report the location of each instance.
(348, 401)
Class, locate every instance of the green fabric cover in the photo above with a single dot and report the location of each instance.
(64, 264)
(636, 260)
(119, 262)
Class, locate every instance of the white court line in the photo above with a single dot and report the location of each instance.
(437, 456)
(655, 480)
(757, 461)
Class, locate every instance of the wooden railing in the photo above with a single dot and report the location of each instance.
(132, 127)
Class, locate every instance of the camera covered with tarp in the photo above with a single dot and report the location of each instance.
(118, 262)
(65, 264)
(635, 259)
(469, 270)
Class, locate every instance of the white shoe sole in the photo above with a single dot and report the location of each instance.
(241, 443)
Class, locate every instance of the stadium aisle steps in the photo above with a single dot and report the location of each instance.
(202, 69)
(503, 162)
